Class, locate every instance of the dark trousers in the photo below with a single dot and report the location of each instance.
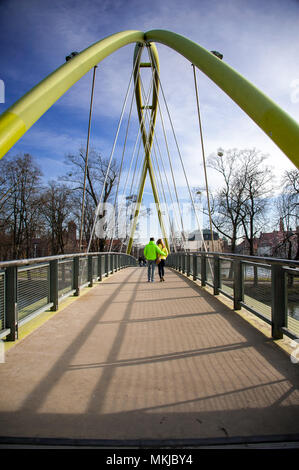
(161, 268)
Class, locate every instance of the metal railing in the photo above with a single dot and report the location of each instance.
(267, 287)
(31, 286)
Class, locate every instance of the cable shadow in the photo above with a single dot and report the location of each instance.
(153, 319)
(266, 347)
(36, 398)
(161, 358)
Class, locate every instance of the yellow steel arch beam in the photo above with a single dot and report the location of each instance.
(26, 111)
(275, 122)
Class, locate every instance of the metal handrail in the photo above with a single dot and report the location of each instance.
(279, 270)
(44, 259)
(257, 259)
(35, 294)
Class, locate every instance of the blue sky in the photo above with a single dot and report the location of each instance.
(258, 39)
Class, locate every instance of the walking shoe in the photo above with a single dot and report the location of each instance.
(163, 279)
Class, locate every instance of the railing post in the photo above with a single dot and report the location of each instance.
(203, 269)
(195, 268)
(107, 265)
(90, 270)
(11, 292)
(112, 263)
(54, 284)
(238, 284)
(279, 300)
(183, 263)
(188, 264)
(76, 285)
(99, 268)
(216, 275)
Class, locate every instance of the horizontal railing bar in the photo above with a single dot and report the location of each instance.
(30, 268)
(289, 333)
(67, 294)
(30, 261)
(4, 333)
(293, 271)
(226, 294)
(34, 314)
(254, 263)
(258, 314)
(258, 259)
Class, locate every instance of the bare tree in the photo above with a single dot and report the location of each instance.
(288, 212)
(20, 203)
(239, 205)
(97, 175)
(56, 209)
(257, 180)
(226, 203)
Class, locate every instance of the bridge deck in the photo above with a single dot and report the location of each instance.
(132, 360)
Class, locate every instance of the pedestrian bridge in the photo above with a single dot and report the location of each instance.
(95, 354)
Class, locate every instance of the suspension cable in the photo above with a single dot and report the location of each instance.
(120, 171)
(203, 156)
(181, 160)
(161, 184)
(135, 168)
(86, 158)
(111, 155)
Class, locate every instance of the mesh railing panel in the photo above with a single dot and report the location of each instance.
(83, 271)
(293, 302)
(2, 301)
(33, 289)
(227, 276)
(210, 269)
(198, 267)
(94, 267)
(191, 265)
(257, 288)
(65, 277)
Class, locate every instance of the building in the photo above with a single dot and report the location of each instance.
(200, 241)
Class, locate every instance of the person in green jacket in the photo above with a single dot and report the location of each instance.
(151, 251)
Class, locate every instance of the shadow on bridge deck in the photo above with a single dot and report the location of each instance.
(138, 361)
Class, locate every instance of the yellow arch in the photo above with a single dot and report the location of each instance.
(276, 123)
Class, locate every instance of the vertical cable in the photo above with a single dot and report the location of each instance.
(86, 157)
(203, 156)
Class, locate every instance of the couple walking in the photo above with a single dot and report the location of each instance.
(155, 254)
